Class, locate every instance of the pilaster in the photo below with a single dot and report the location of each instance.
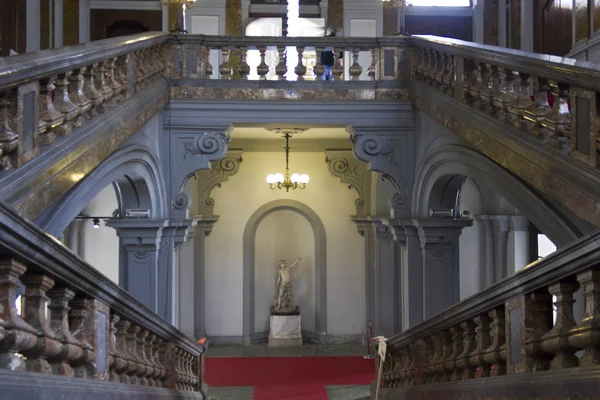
(527, 25)
(489, 249)
(501, 225)
(367, 231)
(32, 38)
(478, 21)
(441, 273)
(84, 21)
(502, 42)
(519, 243)
(204, 228)
(245, 14)
(58, 23)
(324, 6)
(165, 17)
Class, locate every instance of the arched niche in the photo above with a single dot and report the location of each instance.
(284, 234)
(249, 265)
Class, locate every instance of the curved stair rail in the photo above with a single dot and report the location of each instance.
(503, 343)
(93, 330)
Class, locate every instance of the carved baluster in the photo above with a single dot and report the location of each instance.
(190, 371)
(482, 340)
(144, 368)
(208, 68)
(117, 363)
(19, 336)
(135, 365)
(100, 81)
(372, 71)
(149, 63)
(355, 69)
(508, 98)
(445, 343)
(447, 73)
(403, 364)
(262, 69)
(434, 347)
(457, 349)
(522, 101)
(151, 353)
(559, 121)
(586, 335)
(112, 81)
(557, 340)
(225, 67)
(139, 69)
(281, 68)
(9, 140)
(538, 316)
(337, 70)
(319, 67)
(81, 307)
(146, 64)
(160, 370)
(493, 354)
(473, 82)
(35, 314)
(244, 68)
(77, 97)
(124, 358)
(64, 105)
(498, 76)
(300, 69)
(486, 91)
(48, 114)
(91, 92)
(462, 361)
(539, 109)
(71, 349)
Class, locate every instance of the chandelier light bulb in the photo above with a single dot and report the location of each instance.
(304, 178)
(279, 177)
(271, 179)
(295, 178)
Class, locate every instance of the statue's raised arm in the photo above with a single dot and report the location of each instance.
(295, 262)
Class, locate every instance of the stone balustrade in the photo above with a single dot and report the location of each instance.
(523, 328)
(551, 99)
(74, 322)
(45, 95)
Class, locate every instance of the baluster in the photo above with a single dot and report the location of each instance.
(319, 67)
(144, 368)
(208, 68)
(557, 340)
(482, 340)
(146, 64)
(112, 81)
(120, 74)
(9, 140)
(161, 371)
(433, 352)
(64, 105)
(522, 102)
(116, 361)
(493, 354)
(81, 308)
(462, 361)
(100, 82)
(168, 356)
(486, 92)
(372, 71)
(35, 314)
(473, 82)
(540, 109)
(134, 367)
(300, 68)
(90, 91)
(48, 114)
(447, 73)
(77, 97)
(457, 349)
(337, 70)
(124, 358)
(559, 121)
(445, 339)
(19, 336)
(262, 69)
(225, 67)
(139, 71)
(498, 77)
(412, 365)
(538, 317)
(71, 349)
(149, 63)
(440, 70)
(281, 68)
(508, 98)
(355, 69)
(244, 68)
(176, 369)
(190, 371)
(152, 349)
(586, 335)
(403, 366)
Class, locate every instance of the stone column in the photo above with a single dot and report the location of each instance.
(165, 17)
(527, 11)
(324, 5)
(386, 289)
(32, 39)
(413, 309)
(84, 21)
(489, 249)
(245, 15)
(501, 229)
(519, 239)
(58, 23)
(478, 22)
(205, 225)
(441, 273)
(502, 23)
(138, 269)
(366, 230)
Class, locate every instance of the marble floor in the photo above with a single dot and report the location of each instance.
(334, 392)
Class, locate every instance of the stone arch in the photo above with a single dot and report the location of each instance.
(320, 262)
(451, 160)
(139, 183)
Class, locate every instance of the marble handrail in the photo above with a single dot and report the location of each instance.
(507, 328)
(95, 329)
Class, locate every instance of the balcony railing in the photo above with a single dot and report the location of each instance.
(508, 330)
(90, 329)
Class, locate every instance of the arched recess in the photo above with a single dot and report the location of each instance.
(449, 160)
(320, 263)
(139, 184)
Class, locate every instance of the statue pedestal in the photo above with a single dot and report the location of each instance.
(285, 330)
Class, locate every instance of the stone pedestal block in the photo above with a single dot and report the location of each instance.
(285, 331)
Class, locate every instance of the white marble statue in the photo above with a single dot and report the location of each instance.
(283, 294)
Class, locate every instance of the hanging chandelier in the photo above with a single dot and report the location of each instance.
(285, 180)
(181, 6)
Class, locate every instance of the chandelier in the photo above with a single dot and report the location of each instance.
(181, 5)
(285, 180)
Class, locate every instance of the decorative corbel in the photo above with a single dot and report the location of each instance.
(220, 172)
(352, 172)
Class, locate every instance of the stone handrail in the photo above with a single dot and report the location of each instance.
(508, 328)
(47, 94)
(549, 98)
(92, 330)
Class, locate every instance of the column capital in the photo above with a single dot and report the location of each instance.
(382, 230)
(440, 232)
(519, 223)
(181, 231)
(139, 232)
(363, 224)
(397, 228)
(205, 224)
(501, 223)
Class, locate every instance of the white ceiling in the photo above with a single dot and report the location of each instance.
(259, 132)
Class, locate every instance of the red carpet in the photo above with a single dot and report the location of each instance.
(292, 378)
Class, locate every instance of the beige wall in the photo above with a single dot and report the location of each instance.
(240, 197)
